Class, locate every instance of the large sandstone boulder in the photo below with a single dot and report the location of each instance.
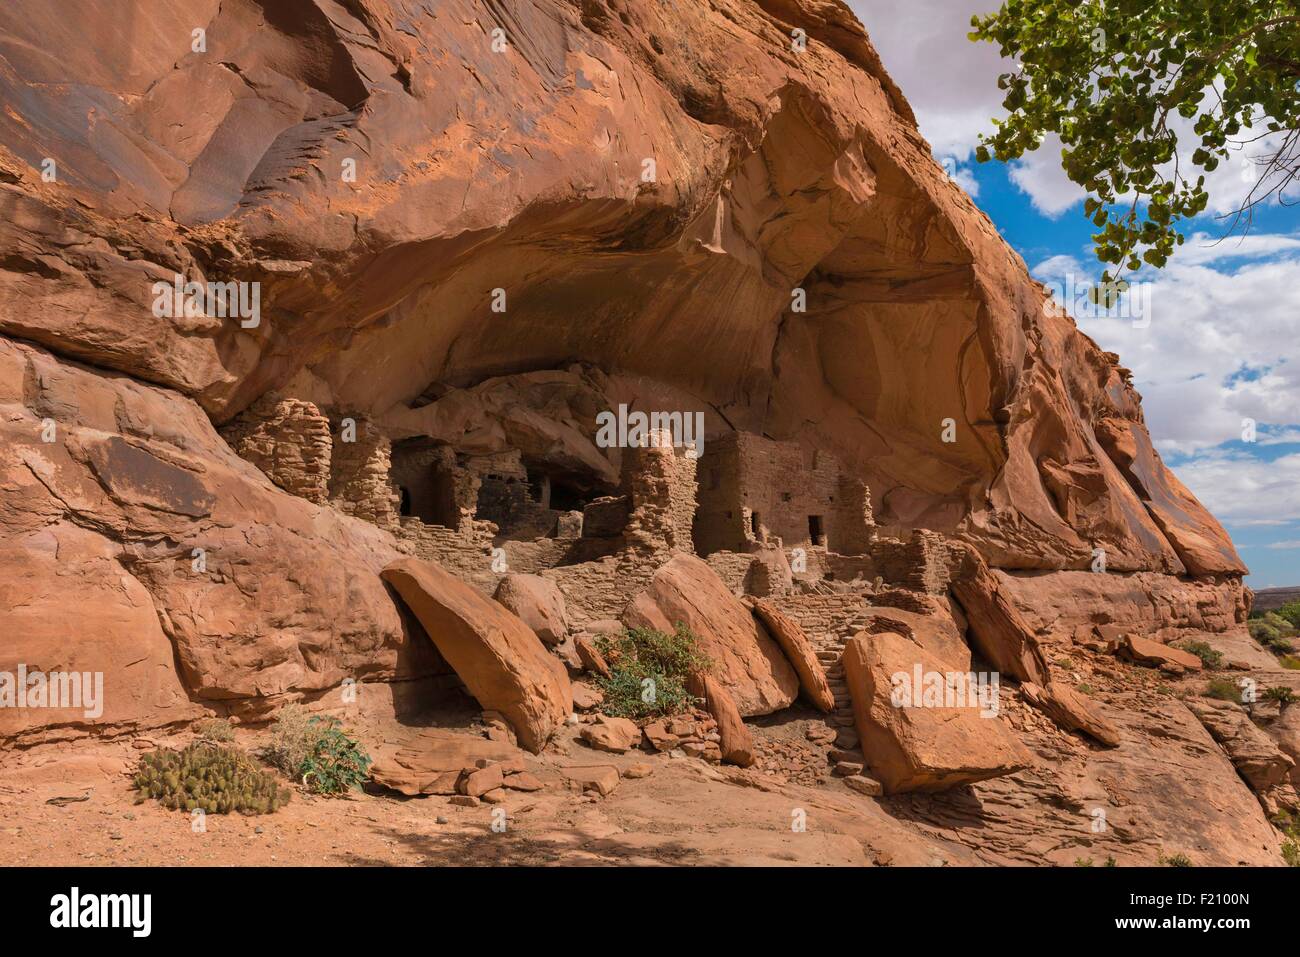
(996, 626)
(1285, 730)
(916, 746)
(1143, 651)
(538, 603)
(1253, 753)
(797, 647)
(746, 661)
(501, 661)
(136, 544)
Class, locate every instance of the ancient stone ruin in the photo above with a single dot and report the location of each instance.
(390, 498)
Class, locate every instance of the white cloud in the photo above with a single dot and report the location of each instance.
(950, 81)
(1040, 176)
(1243, 490)
(1291, 544)
(1221, 344)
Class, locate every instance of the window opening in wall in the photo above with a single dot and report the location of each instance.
(753, 523)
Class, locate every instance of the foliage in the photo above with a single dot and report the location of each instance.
(316, 751)
(1174, 860)
(1208, 655)
(1281, 694)
(337, 762)
(1290, 613)
(643, 655)
(1289, 825)
(216, 730)
(208, 777)
(1224, 689)
(1273, 633)
(1120, 81)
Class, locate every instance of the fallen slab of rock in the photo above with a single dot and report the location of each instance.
(913, 747)
(601, 779)
(1143, 651)
(503, 664)
(735, 743)
(746, 660)
(539, 604)
(611, 734)
(996, 627)
(434, 761)
(1253, 753)
(800, 652)
(1071, 710)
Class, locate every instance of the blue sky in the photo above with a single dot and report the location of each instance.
(1222, 344)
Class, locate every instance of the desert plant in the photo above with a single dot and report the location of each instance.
(1174, 860)
(649, 670)
(316, 751)
(1290, 612)
(336, 763)
(1281, 694)
(292, 738)
(207, 777)
(1290, 662)
(1209, 656)
(1224, 689)
(216, 730)
(1289, 825)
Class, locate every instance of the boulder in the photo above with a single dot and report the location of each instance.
(995, 625)
(1253, 753)
(590, 656)
(611, 734)
(744, 658)
(1285, 730)
(735, 742)
(433, 760)
(918, 748)
(800, 652)
(503, 664)
(538, 603)
(602, 779)
(1072, 710)
(1146, 652)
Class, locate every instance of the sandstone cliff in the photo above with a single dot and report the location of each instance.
(465, 229)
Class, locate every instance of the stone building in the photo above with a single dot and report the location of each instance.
(754, 490)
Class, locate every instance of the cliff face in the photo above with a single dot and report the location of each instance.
(678, 196)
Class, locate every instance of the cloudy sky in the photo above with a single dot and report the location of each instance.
(1222, 343)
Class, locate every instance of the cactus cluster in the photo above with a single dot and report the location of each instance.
(207, 777)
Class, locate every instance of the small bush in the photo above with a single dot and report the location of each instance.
(208, 777)
(1174, 860)
(641, 655)
(1290, 612)
(316, 751)
(1211, 658)
(1281, 694)
(336, 763)
(1290, 662)
(1290, 826)
(1224, 689)
(216, 730)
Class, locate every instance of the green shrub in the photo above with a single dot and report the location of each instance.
(336, 763)
(1210, 657)
(208, 777)
(1225, 689)
(641, 655)
(1175, 860)
(316, 751)
(1262, 631)
(1291, 613)
(1290, 826)
(1290, 662)
(1281, 694)
(216, 730)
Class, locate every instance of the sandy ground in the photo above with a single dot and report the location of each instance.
(686, 812)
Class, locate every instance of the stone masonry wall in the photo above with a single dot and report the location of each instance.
(289, 440)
